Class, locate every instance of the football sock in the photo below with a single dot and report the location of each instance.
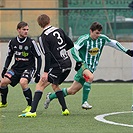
(65, 92)
(53, 95)
(4, 92)
(86, 90)
(37, 97)
(28, 95)
(61, 99)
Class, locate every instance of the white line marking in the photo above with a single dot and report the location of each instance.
(111, 84)
(102, 119)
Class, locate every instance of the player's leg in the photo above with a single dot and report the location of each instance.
(40, 86)
(61, 99)
(38, 94)
(4, 91)
(88, 77)
(86, 91)
(59, 80)
(25, 79)
(27, 93)
(9, 78)
(50, 96)
(59, 93)
(53, 95)
(76, 86)
(63, 76)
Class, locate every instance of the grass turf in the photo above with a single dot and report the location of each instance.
(104, 97)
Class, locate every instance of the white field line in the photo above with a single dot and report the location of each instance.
(102, 119)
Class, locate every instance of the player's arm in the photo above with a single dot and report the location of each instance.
(68, 41)
(47, 57)
(37, 54)
(8, 59)
(45, 50)
(75, 54)
(115, 44)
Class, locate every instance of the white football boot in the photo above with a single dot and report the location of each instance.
(47, 102)
(86, 105)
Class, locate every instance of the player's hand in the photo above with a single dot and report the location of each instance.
(130, 52)
(78, 66)
(44, 77)
(37, 77)
(3, 72)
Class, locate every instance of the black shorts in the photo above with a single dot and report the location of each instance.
(15, 77)
(57, 76)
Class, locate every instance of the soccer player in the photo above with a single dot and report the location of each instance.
(25, 52)
(54, 44)
(87, 51)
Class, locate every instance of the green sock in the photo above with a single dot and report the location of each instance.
(53, 95)
(86, 90)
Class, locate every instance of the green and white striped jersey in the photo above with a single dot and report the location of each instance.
(89, 51)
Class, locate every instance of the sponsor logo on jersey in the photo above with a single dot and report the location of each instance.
(93, 51)
(21, 59)
(25, 54)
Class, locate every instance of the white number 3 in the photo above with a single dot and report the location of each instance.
(60, 40)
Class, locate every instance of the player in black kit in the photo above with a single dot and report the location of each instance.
(25, 51)
(54, 44)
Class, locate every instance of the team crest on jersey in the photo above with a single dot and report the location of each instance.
(93, 51)
(20, 47)
(26, 48)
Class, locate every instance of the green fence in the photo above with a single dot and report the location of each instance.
(117, 21)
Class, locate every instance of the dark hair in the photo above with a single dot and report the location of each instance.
(96, 26)
(21, 25)
(43, 20)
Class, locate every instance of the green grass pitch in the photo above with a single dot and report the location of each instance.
(104, 97)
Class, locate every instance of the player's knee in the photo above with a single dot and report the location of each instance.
(88, 76)
(4, 83)
(91, 78)
(23, 82)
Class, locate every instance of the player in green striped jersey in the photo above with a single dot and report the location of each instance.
(87, 51)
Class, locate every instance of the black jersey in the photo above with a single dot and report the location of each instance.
(54, 44)
(24, 54)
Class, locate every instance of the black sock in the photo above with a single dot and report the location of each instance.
(4, 92)
(37, 97)
(61, 99)
(28, 95)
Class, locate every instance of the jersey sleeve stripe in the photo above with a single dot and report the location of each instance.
(36, 48)
(41, 45)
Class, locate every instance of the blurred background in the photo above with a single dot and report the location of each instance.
(75, 18)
